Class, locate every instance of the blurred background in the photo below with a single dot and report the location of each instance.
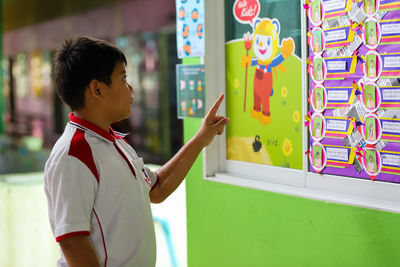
(33, 117)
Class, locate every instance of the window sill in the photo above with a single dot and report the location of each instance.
(323, 195)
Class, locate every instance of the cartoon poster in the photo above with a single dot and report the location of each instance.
(190, 90)
(263, 82)
(190, 28)
(361, 88)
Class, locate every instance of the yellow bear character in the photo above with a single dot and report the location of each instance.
(265, 47)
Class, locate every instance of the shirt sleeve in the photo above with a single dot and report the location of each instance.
(71, 189)
(152, 176)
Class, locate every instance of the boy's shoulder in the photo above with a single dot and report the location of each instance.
(72, 146)
(61, 147)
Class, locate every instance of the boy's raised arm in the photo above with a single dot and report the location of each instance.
(174, 171)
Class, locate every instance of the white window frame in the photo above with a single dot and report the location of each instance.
(303, 183)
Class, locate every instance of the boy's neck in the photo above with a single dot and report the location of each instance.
(93, 118)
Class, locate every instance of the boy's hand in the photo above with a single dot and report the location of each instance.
(171, 174)
(212, 124)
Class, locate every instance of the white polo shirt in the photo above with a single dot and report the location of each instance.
(96, 185)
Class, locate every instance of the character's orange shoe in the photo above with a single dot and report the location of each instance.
(255, 114)
(265, 120)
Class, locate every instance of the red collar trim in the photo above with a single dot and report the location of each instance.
(110, 136)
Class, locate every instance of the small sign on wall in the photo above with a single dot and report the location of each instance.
(190, 28)
(190, 90)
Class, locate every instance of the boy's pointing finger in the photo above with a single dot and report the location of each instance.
(215, 107)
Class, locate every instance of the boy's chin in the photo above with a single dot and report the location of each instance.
(127, 115)
(123, 117)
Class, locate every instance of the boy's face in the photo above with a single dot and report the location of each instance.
(118, 95)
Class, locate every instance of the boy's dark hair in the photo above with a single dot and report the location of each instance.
(80, 60)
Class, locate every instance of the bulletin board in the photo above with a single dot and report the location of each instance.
(354, 89)
(263, 82)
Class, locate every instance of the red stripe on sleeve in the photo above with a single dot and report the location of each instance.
(61, 237)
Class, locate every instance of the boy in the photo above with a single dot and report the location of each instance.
(318, 160)
(317, 45)
(372, 38)
(371, 165)
(98, 189)
(318, 130)
(320, 75)
(371, 69)
(319, 104)
(370, 102)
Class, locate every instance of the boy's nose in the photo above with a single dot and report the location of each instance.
(131, 90)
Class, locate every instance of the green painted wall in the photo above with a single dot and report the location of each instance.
(235, 226)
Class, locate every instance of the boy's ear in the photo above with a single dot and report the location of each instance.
(95, 89)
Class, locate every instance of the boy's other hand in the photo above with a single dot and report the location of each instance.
(212, 124)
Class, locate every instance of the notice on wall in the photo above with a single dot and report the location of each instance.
(190, 90)
(263, 74)
(190, 28)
